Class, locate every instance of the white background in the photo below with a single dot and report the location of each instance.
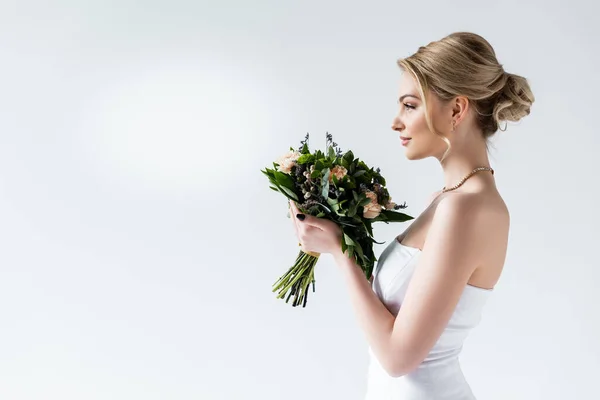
(139, 240)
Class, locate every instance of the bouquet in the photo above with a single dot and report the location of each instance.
(340, 188)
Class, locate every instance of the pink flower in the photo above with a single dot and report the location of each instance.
(373, 209)
(287, 161)
(339, 172)
(390, 204)
(371, 195)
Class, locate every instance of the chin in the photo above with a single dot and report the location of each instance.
(413, 156)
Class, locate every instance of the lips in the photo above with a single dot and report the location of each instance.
(405, 138)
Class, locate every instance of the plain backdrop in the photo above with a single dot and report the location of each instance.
(139, 239)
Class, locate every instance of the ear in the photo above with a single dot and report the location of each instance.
(460, 107)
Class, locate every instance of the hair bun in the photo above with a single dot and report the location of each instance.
(465, 64)
(514, 100)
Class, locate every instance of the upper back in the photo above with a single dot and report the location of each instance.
(495, 225)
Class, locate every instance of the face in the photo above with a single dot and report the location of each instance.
(410, 121)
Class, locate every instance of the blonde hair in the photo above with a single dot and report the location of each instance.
(465, 64)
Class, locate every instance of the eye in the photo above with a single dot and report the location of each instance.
(408, 106)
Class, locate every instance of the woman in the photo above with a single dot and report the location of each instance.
(431, 283)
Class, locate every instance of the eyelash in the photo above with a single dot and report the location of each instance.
(409, 106)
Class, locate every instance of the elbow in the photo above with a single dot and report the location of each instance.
(400, 367)
(397, 372)
(403, 360)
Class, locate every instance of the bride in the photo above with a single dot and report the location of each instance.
(431, 283)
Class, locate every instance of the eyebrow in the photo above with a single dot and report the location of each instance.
(407, 95)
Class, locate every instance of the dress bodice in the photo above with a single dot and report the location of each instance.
(439, 376)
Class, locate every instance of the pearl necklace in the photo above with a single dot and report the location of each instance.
(470, 174)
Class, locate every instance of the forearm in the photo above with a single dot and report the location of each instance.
(372, 315)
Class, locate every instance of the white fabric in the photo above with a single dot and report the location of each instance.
(439, 377)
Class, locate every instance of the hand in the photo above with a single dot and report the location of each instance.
(318, 235)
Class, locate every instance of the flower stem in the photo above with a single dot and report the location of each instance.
(296, 281)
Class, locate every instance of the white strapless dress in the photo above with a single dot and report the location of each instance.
(439, 377)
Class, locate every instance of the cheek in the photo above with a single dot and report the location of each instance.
(418, 124)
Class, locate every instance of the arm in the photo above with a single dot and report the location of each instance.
(432, 197)
(449, 257)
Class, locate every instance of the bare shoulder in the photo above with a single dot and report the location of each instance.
(481, 207)
(484, 216)
(433, 196)
(483, 222)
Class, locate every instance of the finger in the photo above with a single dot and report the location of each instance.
(293, 212)
(311, 221)
(296, 211)
(292, 208)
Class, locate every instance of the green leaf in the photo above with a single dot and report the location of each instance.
(268, 172)
(284, 180)
(347, 224)
(349, 156)
(289, 192)
(344, 247)
(345, 163)
(337, 206)
(368, 227)
(358, 249)
(331, 153)
(364, 201)
(305, 158)
(361, 198)
(325, 207)
(359, 173)
(349, 240)
(352, 210)
(333, 204)
(335, 180)
(395, 216)
(325, 189)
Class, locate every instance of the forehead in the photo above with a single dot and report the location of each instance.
(407, 83)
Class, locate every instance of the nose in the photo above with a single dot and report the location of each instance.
(397, 125)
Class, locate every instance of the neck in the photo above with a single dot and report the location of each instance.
(462, 159)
